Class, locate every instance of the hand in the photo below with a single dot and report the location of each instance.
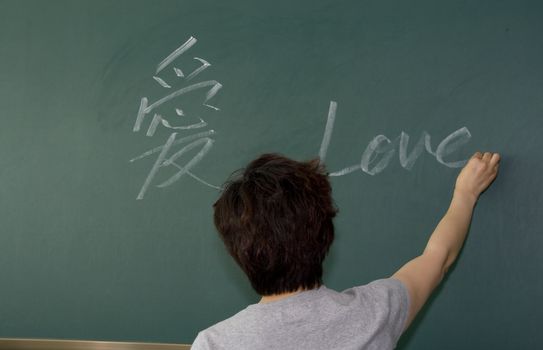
(478, 174)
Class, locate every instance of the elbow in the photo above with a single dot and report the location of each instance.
(451, 258)
(443, 258)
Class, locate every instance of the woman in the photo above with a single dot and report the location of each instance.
(275, 219)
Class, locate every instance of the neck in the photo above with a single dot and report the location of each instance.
(276, 297)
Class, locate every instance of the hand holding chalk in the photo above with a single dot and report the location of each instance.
(478, 174)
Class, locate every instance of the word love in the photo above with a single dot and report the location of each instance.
(381, 149)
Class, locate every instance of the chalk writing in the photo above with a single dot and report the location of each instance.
(167, 155)
(381, 149)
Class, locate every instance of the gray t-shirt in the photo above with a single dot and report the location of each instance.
(365, 317)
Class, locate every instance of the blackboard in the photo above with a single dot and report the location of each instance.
(101, 240)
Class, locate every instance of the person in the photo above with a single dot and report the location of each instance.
(276, 220)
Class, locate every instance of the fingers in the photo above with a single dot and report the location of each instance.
(478, 155)
(490, 163)
(493, 159)
(479, 173)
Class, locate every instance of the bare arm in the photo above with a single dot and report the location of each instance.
(422, 274)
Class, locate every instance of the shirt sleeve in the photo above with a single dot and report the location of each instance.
(393, 298)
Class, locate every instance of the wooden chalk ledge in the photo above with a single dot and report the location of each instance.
(52, 344)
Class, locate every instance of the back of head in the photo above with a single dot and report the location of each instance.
(275, 218)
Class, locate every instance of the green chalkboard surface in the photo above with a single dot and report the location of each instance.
(121, 120)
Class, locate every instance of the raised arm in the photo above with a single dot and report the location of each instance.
(422, 274)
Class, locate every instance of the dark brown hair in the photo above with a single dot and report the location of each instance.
(275, 218)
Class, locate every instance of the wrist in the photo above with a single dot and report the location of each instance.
(466, 197)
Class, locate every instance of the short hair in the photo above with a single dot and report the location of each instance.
(275, 218)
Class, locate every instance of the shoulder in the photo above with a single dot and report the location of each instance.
(387, 287)
(390, 287)
(383, 293)
(219, 335)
